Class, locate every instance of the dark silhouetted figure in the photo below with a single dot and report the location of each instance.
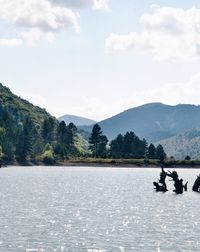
(162, 176)
(178, 183)
(196, 186)
(161, 185)
(160, 188)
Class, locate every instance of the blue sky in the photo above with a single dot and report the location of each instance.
(100, 57)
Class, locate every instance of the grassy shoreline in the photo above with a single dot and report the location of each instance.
(132, 163)
(137, 163)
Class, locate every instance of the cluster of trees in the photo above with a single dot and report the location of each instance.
(123, 146)
(24, 139)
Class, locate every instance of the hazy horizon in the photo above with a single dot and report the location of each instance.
(131, 108)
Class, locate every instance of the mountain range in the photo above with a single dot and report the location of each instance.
(177, 128)
(77, 120)
(154, 121)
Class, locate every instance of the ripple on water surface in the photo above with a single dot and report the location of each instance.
(44, 209)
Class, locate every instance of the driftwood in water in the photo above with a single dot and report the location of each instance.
(160, 188)
(196, 186)
(161, 185)
(178, 183)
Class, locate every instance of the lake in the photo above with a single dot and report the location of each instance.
(44, 209)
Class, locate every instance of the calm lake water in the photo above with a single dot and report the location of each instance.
(44, 209)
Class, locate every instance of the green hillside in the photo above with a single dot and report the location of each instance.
(28, 134)
(183, 144)
(24, 108)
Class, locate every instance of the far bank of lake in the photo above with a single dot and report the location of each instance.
(106, 162)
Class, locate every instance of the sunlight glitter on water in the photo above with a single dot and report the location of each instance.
(44, 209)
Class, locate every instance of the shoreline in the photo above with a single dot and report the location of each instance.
(118, 163)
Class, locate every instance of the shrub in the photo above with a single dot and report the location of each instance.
(47, 156)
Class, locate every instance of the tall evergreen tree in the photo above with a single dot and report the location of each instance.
(24, 146)
(116, 147)
(102, 151)
(48, 130)
(62, 135)
(151, 153)
(160, 153)
(98, 142)
(71, 138)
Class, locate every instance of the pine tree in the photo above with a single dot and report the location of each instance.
(98, 142)
(71, 138)
(151, 153)
(24, 146)
(187, 158)
(62, 135)
(160, 153)
(116, 147)
(128, 146)
(102, 151)
(48, 130)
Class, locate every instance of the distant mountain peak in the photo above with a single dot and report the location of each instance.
(153, 104)
(77, 120)
(153, 121)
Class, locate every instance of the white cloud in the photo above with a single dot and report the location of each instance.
(36, 20)
(34, 35)
(101, 5)
(173, 93)
(11, 42)
(179, 92)
(77, 4)
(169, 33)
(37, 13)
(74, 3)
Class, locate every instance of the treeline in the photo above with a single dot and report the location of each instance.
(123, 146)
(24, 140)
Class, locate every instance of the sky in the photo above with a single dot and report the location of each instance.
(96, 58)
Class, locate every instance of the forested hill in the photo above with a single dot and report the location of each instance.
(29, 134)
(20, 107)
(154, 121)
(77, 120)
(182, 145)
